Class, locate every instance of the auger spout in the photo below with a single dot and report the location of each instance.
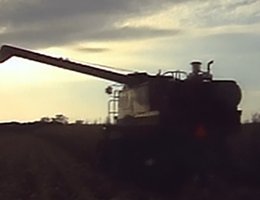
(7, 52)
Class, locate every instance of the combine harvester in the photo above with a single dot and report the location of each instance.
(165, 124)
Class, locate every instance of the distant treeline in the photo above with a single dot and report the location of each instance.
(30, 126)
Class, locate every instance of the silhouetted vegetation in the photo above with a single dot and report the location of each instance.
(59, 118)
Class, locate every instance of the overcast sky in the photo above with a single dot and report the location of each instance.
(131, 35)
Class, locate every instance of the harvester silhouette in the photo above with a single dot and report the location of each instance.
(162, 124)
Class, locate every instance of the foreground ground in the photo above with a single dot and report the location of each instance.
(54, 162)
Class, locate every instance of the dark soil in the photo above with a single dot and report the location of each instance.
(56, 162)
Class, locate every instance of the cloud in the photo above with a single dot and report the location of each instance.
(60, 36)
(225, 12)
(41, 10)
(92, 49)
(129, 33)
(233, 43)
(45, 23)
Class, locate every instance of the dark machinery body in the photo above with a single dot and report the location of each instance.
(175, 125)
(162, 100)
(169, 120)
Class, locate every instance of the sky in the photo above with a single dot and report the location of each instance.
(136, 35)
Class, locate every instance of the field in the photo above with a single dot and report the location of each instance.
(43, 161)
